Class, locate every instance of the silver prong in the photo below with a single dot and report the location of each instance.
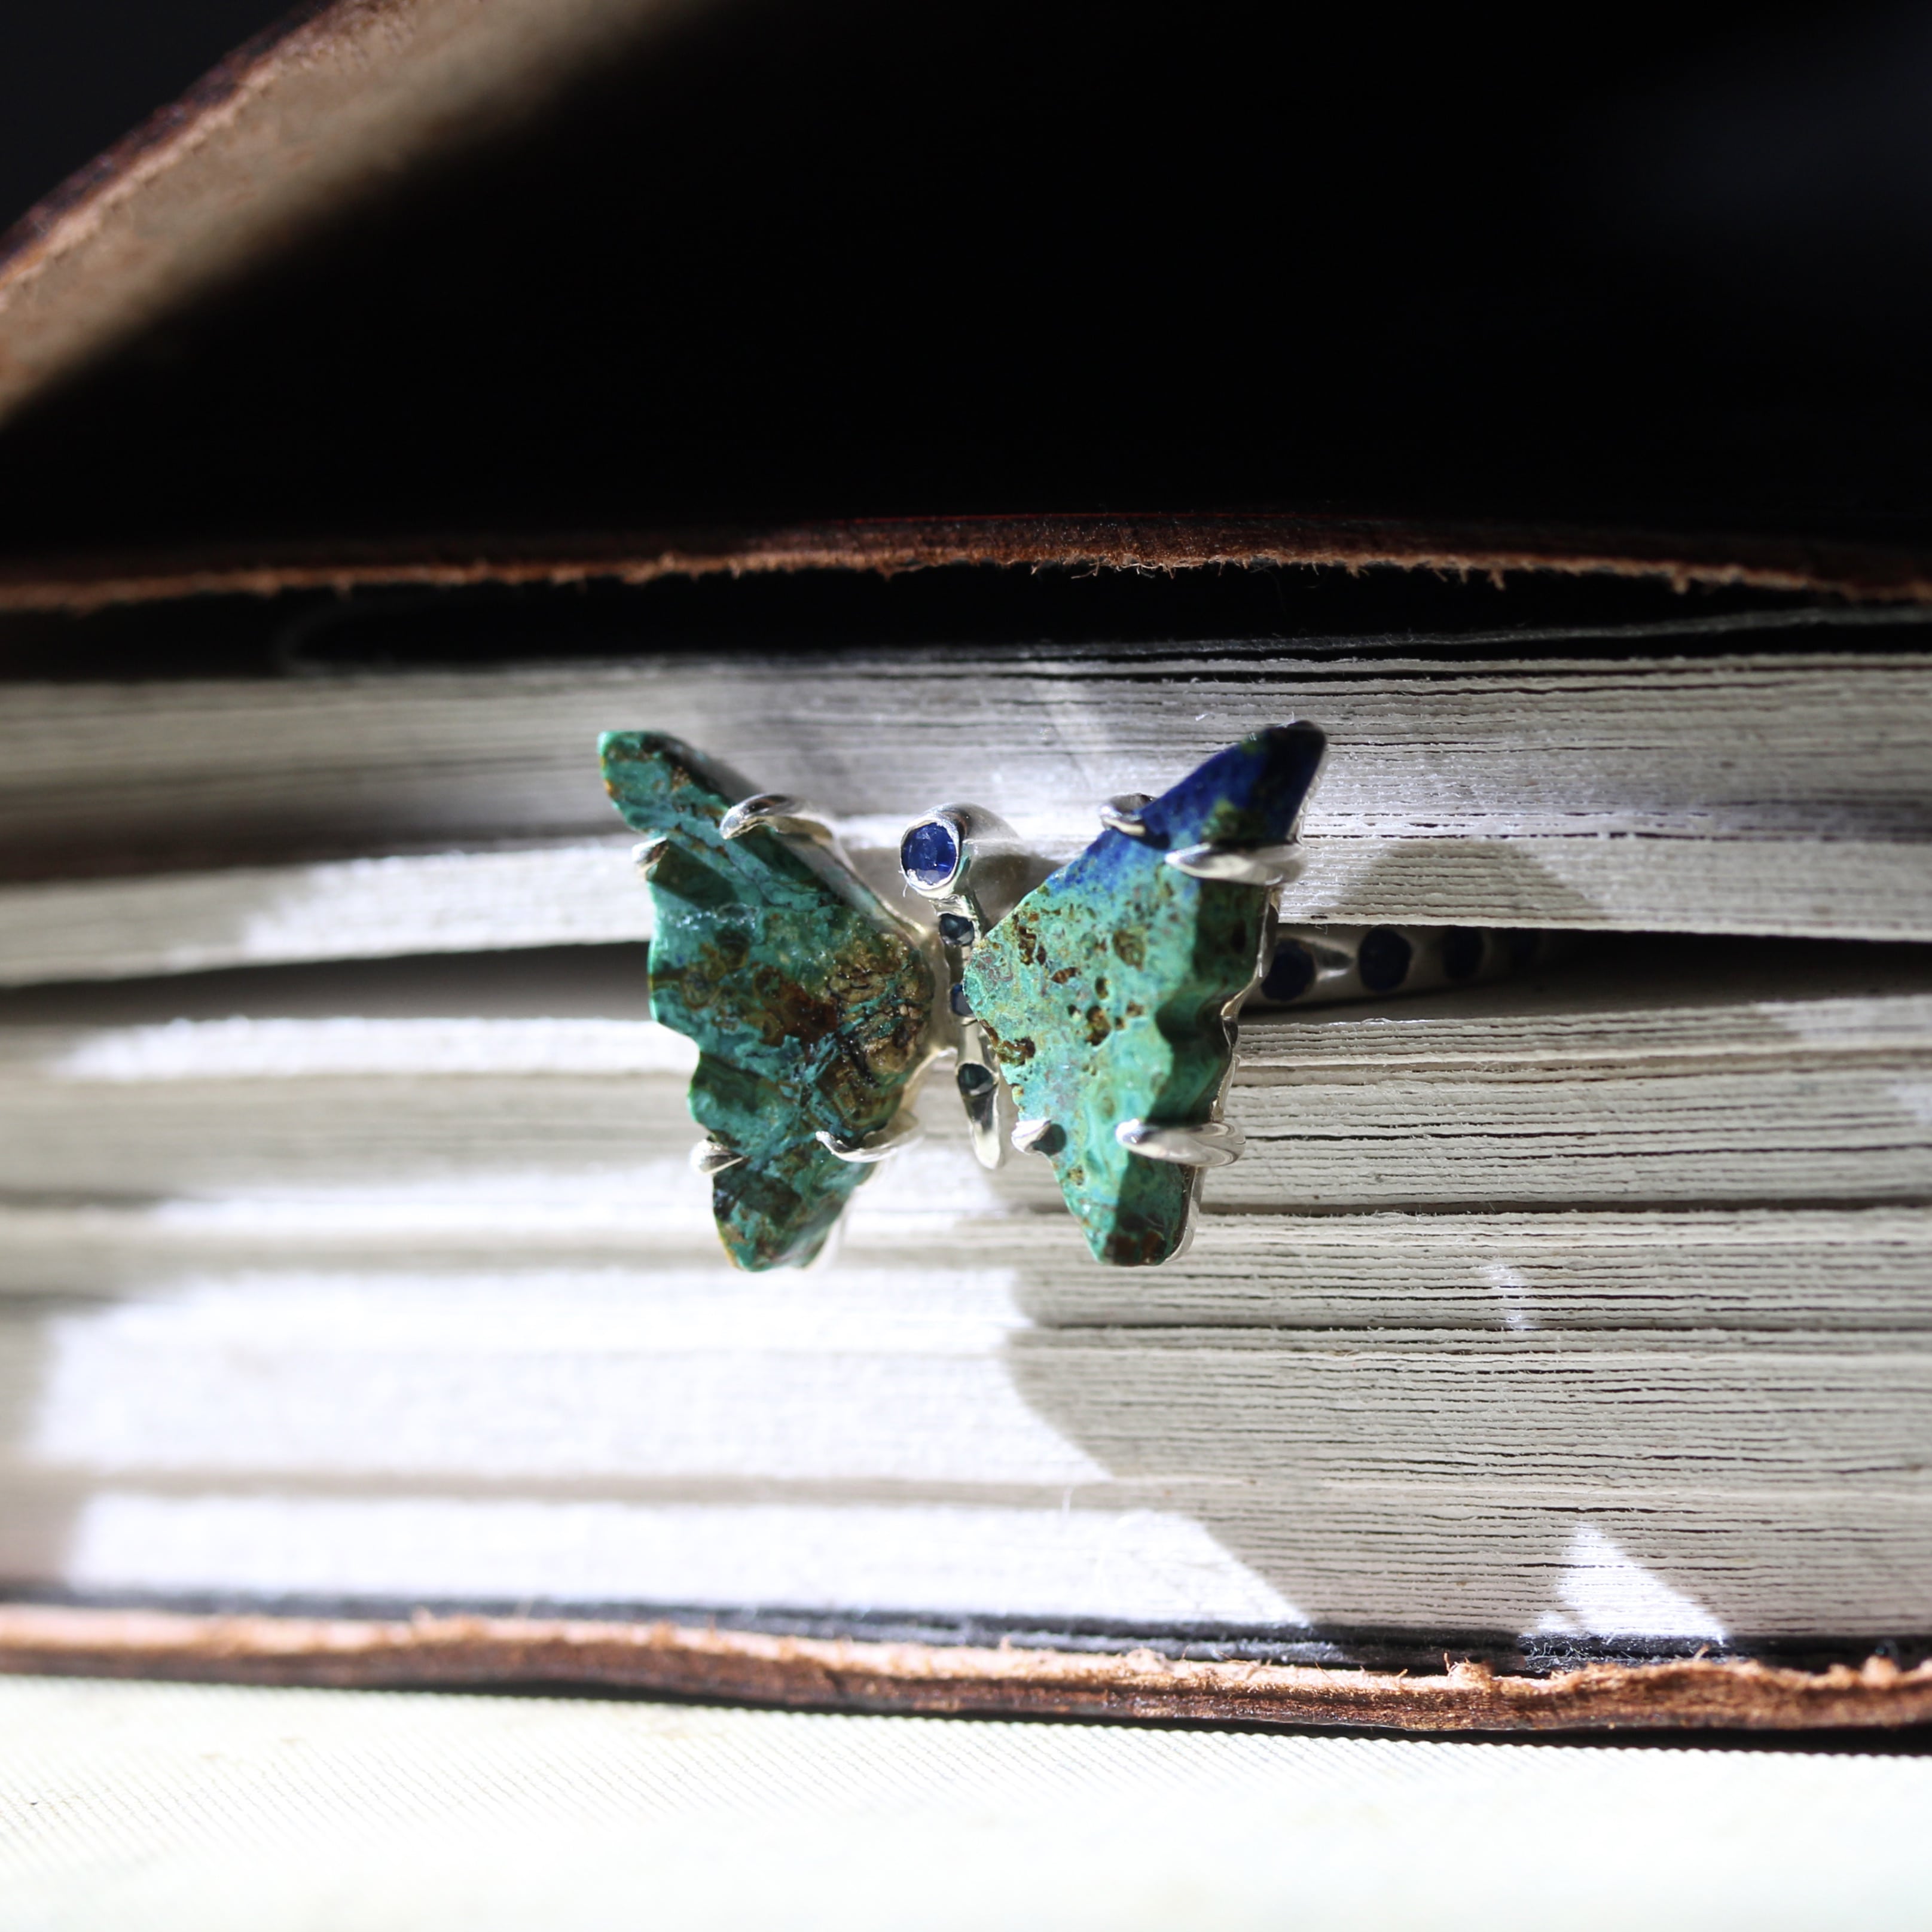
(900, 1132)
(775, 812)
(1212, 1144)
(711, 1157)
(1122, 814)
(1241, 866)
(1027, 1136)
(646, 853)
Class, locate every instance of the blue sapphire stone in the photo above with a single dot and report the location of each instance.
(929, 854)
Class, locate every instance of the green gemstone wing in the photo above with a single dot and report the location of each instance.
(809, 1003)
(1106, 992)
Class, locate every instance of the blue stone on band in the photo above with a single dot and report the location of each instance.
(929, 854)
(1384, 959)
(1290, 973)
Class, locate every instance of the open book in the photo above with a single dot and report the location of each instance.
(409, 406)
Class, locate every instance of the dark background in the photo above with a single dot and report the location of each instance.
(1646, 265)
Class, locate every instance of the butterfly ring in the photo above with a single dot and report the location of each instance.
(1090, 1010)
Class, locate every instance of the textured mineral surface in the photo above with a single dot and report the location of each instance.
(808, 1002)
(1105, 990)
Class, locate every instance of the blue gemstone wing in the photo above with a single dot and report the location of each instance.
(1106, 992)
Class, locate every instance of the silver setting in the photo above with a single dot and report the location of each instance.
(776, 811)
(957, 819)
(1123, 813)
(1268, 865)
(984, 1095)
(646, 853)
(1028, 1135)
(713, 1157)
(1211, 1143)
(992, 873)
(900, 1132)
(990, 1111)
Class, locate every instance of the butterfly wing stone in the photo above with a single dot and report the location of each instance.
(809, 1003)
(1106, 992)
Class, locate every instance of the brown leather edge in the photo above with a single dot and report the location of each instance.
(1152, 542)
(428, 1651)
(51, 223)
(338, 103)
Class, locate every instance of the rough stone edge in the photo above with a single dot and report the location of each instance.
(1153, 543)
(430, 1650)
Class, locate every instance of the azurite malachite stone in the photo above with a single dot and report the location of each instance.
(809, 1004)
(1105, 990)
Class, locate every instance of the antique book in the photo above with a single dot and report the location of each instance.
(404, 410)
